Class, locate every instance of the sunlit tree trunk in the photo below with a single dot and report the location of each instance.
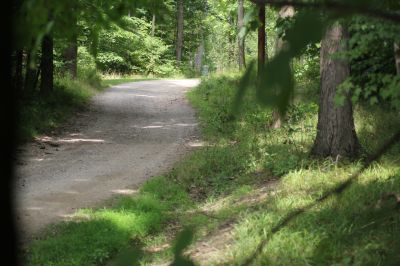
(198, 62)
(179, 35)
(261, 39)
(46, 66)
(153, 25)
(242, 60)
(336, 135)
(284, 12)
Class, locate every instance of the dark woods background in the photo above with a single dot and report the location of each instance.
(7, 134)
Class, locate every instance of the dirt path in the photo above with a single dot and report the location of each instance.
(130, 133)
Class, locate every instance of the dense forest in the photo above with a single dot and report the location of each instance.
(298, 106)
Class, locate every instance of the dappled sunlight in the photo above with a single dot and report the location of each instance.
(196, 144)
(142, 95)
(34, 208)
(158, 125)
(125, 191)
(73, 139)
(146, 127)
(81, 140)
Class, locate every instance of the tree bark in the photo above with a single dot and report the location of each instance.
(46, 66)
(241, 44)
(284, 12)
(153, 25)
(30, 75)
(336, 135)
(71, 53)
(179, 35)
(261, 39)
(397, 56)
(71, 57)
(198, 57)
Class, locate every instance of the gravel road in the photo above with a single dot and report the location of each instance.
(129, 133)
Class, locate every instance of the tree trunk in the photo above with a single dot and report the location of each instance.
(71, 57)
(46, 66)
(179, 35)
(242, 60)
(336, 135)
(198, 57)
(397, 56)
(284, 12)
(71, 53)
(30, 75)
(261, 39)
(153, 25)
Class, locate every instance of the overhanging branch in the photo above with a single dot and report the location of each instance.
(334, 6)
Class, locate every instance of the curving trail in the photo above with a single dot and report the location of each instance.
(130, 133)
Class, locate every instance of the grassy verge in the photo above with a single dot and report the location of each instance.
(112, 80)
(226, 184)
(41, 115)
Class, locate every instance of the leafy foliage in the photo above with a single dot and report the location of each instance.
(373, 78)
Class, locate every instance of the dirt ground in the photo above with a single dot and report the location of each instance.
(129, 133)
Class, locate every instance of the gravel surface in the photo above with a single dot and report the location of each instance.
(129, 133)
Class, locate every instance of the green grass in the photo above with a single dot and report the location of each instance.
(215, 184)
(41, 115)
(95, 235)
(108, 82)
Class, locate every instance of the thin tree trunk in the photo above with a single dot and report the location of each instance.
(71, 53)
(261, 39)
(198, 57)
(284, 12)
(179, 37)
(397, 56)
(153, 25)
(241, 43)
(30, 75)
(71, 57)
(46, 66)
(336, 135)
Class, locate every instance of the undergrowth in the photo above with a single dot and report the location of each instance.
(42, 114)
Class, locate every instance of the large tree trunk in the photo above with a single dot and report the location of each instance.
(397, 56)
(179, 35)
(284, 12)
(242, 60)
(261, 39)
(336, 134)
(46, 66)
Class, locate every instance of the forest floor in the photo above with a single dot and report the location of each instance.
(129, 133)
